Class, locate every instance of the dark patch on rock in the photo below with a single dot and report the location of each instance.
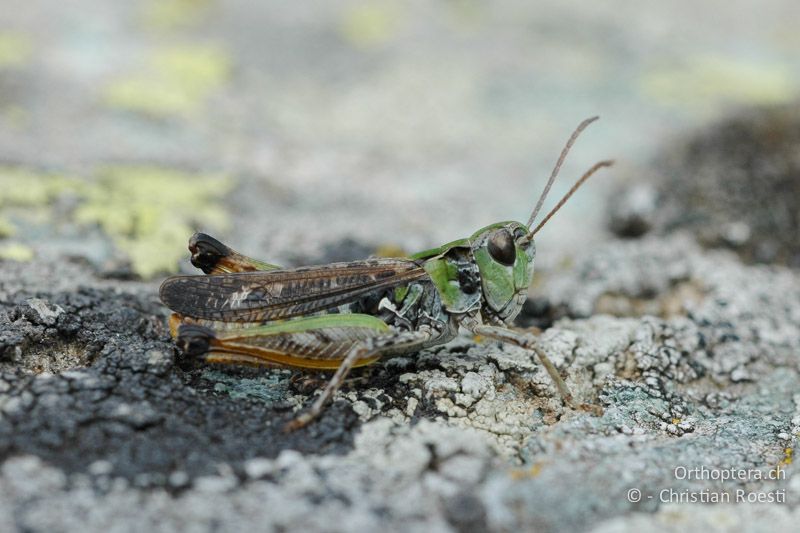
(539, 312)
(122, 399)
(466, 513)
(735, 184)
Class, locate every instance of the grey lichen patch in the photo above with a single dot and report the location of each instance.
(48, 358)
(426, 470)
(621, 460)
(675, 517)
(668, 304)
(47, 313)
(270, 387)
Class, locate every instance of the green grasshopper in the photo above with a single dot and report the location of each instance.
(344, 315)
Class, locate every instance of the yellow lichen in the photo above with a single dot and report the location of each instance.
(149, 212)
(176, 81)
(25, 194)
(7, 229)
(15, 49)
(174, 14)
(390, 250)
(704, 79)
(787, 456)
(527, 473)
(15, 251)
(370, 23)
(26, 188)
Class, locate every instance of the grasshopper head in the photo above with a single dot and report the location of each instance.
(504, 254)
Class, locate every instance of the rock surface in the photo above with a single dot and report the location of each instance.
(303, 134)
(466, 437)
(735, 185)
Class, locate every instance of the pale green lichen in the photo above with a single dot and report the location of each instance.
(7, 229)
(27, 188)
(149, 212)
(15, 251)
(15, 49)
(175, 81)
(174, 14)
(371, 23)
(707, 78)
(25, 195)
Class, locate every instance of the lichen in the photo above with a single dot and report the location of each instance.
(370, 24)
(15, 251)
(15, 49)
(27, 188)
(174, 81)
(25, 195)
(269, 388)
(174, 14)
(149, 211)
(717, 79)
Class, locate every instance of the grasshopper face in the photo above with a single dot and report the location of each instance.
(504, 253)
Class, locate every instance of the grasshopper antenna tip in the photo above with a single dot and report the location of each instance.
(582, 126)
(586, 176)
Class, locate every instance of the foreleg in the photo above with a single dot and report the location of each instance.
(528, 342)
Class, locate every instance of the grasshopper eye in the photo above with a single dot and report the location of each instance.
(502, 248)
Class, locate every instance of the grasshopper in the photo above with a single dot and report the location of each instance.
(345, 315)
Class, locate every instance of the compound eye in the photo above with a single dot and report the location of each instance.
(502, 248)
(519, 233)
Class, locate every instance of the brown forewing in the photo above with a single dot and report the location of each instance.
(279, 294)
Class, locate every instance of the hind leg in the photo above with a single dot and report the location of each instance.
(363, 350)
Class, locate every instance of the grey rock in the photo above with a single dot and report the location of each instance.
(457, 438)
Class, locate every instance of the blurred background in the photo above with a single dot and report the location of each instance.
(309, 131)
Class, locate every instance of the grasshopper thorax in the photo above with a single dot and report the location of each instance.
(504, 254)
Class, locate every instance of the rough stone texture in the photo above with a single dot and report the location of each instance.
(339, 130)
(462, 438)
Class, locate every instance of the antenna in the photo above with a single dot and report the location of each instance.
(564, 152)
(586, 176)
